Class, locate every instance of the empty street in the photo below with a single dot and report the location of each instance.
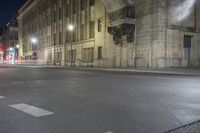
(52, 100)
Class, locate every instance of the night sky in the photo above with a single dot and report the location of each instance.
(9, 8)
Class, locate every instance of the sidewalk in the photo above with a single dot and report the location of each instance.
(166, 71)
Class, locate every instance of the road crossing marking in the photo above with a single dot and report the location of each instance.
(2, 97)
(34, 111)
(17, 82)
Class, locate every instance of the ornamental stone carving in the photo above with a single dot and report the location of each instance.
(122, 30)
(122, 19)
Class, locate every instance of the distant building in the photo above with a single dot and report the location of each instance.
(112, 33)
(2, 43)
(9, 40)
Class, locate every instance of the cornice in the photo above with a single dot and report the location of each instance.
(26, 7)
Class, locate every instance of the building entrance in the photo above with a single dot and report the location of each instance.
(187, 50)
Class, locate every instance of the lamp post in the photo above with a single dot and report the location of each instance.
(71, 29)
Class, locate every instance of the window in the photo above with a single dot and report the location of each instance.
(91, 2)
(67, 36)
(130, 12)
(60, 13)
(187, 41)
(60, 37)
(88, 55)
(67, 10)
(82, 30)
(54, 38)
(99, 53)
(92, 29)
(74, 36)
(71, 56)
(83, 4)
(74, 6)
(54, 15)
(100, 25)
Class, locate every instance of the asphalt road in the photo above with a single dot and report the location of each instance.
(95, 102)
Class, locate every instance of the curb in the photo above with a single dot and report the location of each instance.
(181, 72)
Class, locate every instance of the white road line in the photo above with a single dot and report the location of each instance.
(2, 97)
(109, 132)
(17, 82)
(34, 111)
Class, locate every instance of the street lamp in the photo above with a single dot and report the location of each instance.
(71, 29)
(11, 49)
(17, 46)
(34, 41)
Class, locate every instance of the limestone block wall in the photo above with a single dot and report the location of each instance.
(174, 41)
(198, 15)
(159, 33)
(175, 49)
(100, 40)
(183, 19)
(150, 33)
(143, 33)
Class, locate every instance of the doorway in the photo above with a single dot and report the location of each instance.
(187, 45)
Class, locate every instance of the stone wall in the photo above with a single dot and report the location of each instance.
(143, 33)
(181, 22)
(134, 33)
(160, 29)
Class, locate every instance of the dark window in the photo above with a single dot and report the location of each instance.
(54, 38)
(74, 6)
(74, 36)
(92, 29)
(187, 41)
(83, 4)
(91, 2)
(99, 53)
(82, 30)
(71, 56)
(130, 12)
(67, 37)
(60, 13)
(67, 10)
(60, 37)
(88, 55)
(54, 16)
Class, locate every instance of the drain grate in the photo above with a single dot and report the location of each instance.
(190, 128)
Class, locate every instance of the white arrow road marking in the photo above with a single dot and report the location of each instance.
(34, 111)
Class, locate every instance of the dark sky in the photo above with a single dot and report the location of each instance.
(9, 8)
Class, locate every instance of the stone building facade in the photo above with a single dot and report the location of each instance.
(9, 39)
(112, 33)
